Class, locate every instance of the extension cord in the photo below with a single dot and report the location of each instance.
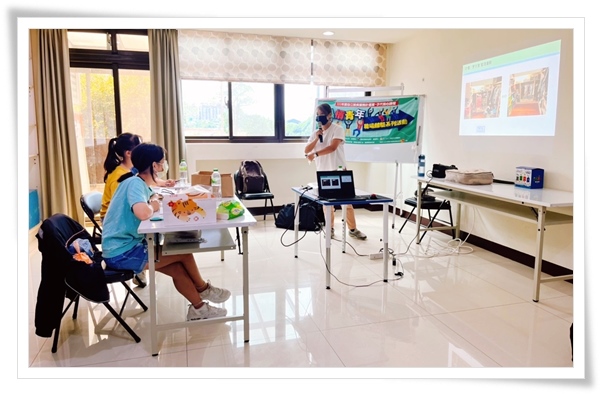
(376, 256)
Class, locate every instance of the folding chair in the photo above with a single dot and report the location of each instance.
(64, 276)
(264, 195)
(429, 205)
(91, 203)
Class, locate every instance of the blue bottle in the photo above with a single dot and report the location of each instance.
(421, 168)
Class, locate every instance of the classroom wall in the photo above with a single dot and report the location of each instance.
(431, 63)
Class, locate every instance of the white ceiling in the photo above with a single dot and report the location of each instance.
(383, 36)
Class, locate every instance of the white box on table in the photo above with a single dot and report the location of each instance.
(193, 206)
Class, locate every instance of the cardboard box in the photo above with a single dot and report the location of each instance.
(529, 177)
(203, 178)
(183, 208)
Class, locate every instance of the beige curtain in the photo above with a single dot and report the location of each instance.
(220, 56)
(60, 178)
(347, 63)
(165, 93)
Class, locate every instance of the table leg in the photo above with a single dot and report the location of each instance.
(537, 268)
(419, 191)
(344, 227)
(328, 225)
(296, 223)
(457, 221)
(385, 242)
(245, 290)
(150, 238)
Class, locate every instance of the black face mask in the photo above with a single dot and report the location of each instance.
(322, 119)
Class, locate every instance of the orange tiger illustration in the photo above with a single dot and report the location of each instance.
(183, 209)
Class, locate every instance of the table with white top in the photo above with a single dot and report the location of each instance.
(530, 205)
(217, 238)
(311, 194)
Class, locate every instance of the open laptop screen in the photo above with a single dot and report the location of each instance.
(335, 184)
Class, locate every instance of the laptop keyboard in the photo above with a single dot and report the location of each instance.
(355, 198)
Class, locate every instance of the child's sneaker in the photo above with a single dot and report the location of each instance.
(205, 312)
(215, 294)
(356, 233)
(140, 279)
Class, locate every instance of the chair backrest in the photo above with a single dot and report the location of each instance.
(55, 236)
(91, 203)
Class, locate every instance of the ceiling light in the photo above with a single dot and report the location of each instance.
(328, 33)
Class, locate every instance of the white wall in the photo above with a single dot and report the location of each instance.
(430, 63)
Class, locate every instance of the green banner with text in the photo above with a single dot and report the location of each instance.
(376, 120)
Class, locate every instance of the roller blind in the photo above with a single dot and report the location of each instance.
(347, 63)
(222, 56)
(206, 55)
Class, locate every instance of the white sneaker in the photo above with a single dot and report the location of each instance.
(215, 294)
(356, 233)
(140, 279)
(205, 312)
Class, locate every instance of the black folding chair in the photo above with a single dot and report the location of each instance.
(63, 276)
(91, 203)
(263, 195)
(429, 203)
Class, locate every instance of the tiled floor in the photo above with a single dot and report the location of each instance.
(471, 310)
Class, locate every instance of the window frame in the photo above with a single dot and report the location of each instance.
(113, 59)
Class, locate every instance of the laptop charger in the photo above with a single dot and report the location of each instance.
(376, 256)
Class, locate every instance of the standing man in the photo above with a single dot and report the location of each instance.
(326, 147)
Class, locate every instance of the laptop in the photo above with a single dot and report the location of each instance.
(337, 186)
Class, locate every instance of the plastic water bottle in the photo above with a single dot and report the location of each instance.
(215, 183)
(340, 168)
(183, 173)
(421, 170)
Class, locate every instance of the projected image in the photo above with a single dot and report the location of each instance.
(514, 94)
(528, 93)
(482, 98)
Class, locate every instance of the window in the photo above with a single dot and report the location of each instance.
(259, 112)
(94, 111)
(110, 85)
(299, 110)
(253, 109)
(205, 110)
(102, 40)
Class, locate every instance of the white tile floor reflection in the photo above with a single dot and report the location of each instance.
(448, 310)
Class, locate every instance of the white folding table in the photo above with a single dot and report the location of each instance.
(217, 238)
(529, 205)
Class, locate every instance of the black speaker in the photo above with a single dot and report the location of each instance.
(439, 170)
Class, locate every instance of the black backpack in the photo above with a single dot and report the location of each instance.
(252, 178)
(311, 216)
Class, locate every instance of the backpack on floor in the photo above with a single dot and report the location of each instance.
(311, 216)
(252, 178)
